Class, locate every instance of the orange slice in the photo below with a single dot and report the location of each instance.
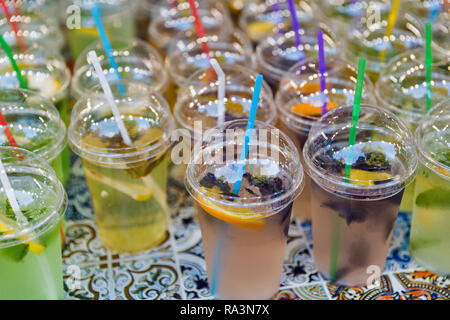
(251, 221)
(310, 109)
(259, 29)
(367, 178)
(307, 88)
(34, 247)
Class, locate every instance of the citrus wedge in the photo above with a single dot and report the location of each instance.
(47, 87)
(239, 219)
(310, 109)
(367, 178)
(34, 247)
(259, 29)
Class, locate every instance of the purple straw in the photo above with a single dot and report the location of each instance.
(322, 70)
(295, 23)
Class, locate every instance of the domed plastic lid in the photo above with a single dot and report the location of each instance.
(351, 10)
(33, 28)
(299, 98)
(425, 10)
(267, 18)
(433, 139)
(402, 87)
(111, 10)
(214, 16)
(41, 199)
(95, 136)
(441, 31)
(187, 56)
(34, 122)
(199, 100)
(44, 71)
(275, 55)
(383, 159)
(136, 61)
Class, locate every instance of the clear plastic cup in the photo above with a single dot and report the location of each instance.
(117, 18)
(186, 54)
(275, 55)
(299, 102)
(370, 42)
(33, 28)
(127, 183)
(354, 216)
(49, 8)
(425, 10)
(37, 127)
(345, 15)
(402, 89)
(268, 18)
(165, 27)
(245, 235)
(430, 239)
(136, 60)
(440, 26)
(30, 252)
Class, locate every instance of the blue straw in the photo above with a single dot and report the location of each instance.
(434, 13)
(96, 11)
(295, 23)
(237, 185)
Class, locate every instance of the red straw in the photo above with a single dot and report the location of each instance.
(7, 131)
(13, 25)
(199, 27)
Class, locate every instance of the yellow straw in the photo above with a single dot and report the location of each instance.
(391, 23)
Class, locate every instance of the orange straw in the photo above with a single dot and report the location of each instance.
(13, 25)
(199, 27)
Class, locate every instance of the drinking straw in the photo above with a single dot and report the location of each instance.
(348, 163)
(220, 93)
(109, 96)
(434, 13)
(10, 195)
(428, 63)
(96, 14)
(237, 185)
(13, 25)
(295, 23)
(7, 131)
(9, 53)
(391, 23)
(322, 70)
(199, 27)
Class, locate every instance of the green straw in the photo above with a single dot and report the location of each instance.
(348, 163)
(428, 63)
(9, 53)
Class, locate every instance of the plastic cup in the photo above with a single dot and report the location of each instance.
(33, 28)
(245, 236)
(370, 42)
(353, 218)
(117, 19)
(345, 15)
(186, 54)
(127, 183)
(299, 102)
(275, 55)
(136, 60)
(48, 8)
(430, 240)
(47, 74)
(402, 89)
(37, 127)
(440, 31)
(425, 10)
(268, 18)
(165, 27)
(30, 253)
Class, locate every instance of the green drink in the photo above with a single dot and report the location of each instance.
(127, 183)
(30, 250)
(117, 19)
(48, 75)
(430, 239)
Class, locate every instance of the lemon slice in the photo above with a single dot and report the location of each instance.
(34, 247)
(310, 109)
(240, 219)
(134, 191)
(259, 29)
(367, 178)
(47, 86)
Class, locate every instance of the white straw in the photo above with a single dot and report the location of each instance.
(221, 92)
(10, 194)
(109, 96)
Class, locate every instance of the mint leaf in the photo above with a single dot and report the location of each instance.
(434, 198)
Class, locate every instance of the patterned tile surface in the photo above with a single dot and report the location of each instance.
(176, 269)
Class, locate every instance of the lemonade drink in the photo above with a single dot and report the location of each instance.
(30, 251)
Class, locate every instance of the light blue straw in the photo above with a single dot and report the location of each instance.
(237, 186)
(434, 13)
(96, 11)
